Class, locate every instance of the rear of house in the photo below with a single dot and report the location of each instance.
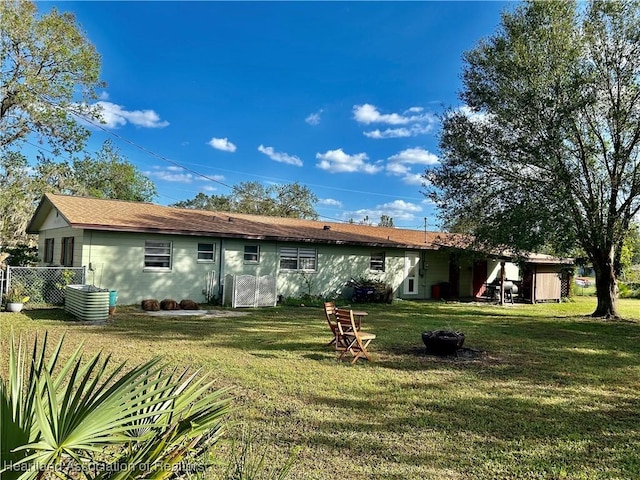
(151, 251)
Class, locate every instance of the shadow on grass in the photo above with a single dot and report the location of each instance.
(55, 314)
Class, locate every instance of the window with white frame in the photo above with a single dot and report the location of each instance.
(305, 259)
(206, 252)
(251, 254)
(48, 250)
(377, 262)
(157, 255)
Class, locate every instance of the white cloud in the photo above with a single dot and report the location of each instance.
(336, 161)
(399, 210)
(400, 164)
(179, 175)
(412, 131)
(388, 133)
(415, 156)
(170, 174)
(330, 202)
(368, 114)
(314, 118)
(115, 116)
(280, 156)
(222, 144)
(417, 122)
(104, 95)
(414, 179)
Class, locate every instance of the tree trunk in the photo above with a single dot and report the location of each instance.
(606, 286)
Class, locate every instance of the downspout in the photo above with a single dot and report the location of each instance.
(221, 268)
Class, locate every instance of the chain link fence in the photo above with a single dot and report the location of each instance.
(45, 285)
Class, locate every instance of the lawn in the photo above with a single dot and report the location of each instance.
(555, 395)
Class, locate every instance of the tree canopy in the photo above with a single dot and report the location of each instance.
(288, 200)
(105, 174)
(49, 69)
(547, 148)
(50, 72)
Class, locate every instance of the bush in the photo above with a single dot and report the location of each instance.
(69, 416)
(629, 289)
(369, 290)
(305, 300)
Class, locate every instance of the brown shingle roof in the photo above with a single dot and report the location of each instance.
(116, 215)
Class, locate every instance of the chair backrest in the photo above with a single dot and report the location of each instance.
(345, 320)
(329, 314)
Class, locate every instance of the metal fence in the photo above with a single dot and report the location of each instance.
(44, 285)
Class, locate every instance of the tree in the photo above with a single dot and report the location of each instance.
(203, 201)
(294, 201)
(110, 175)
(253, 198)
(385, 221)
(49, 69)
(290, 200)
(106, 174)
(16, 199)
(548, 150)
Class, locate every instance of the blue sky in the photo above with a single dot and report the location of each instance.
(341, 97)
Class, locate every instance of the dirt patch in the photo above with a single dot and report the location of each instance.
(197, 313)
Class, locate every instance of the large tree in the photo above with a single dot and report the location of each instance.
(290, 200)
(104, 174)
(49, 69)
(108, 174)
(547, 150)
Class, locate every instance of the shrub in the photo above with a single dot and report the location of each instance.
(629, 289)
(67, 417)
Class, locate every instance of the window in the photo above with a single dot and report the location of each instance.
(157, 255)
(48, 250)
(377, 262)
(206, 252)
(298, 258)
(251, 254)
(66, 252)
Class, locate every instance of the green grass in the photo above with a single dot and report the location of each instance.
(554, 396)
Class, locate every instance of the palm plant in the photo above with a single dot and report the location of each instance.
(78, 419)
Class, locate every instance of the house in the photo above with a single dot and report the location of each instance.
(145, 250)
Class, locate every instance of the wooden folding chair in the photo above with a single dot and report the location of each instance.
(349, 338)
(330, 315)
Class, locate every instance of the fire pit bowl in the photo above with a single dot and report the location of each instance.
(442, 342)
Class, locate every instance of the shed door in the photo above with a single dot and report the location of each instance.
(548, 286)
(411, 262)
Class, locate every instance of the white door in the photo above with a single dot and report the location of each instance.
(411, 267)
